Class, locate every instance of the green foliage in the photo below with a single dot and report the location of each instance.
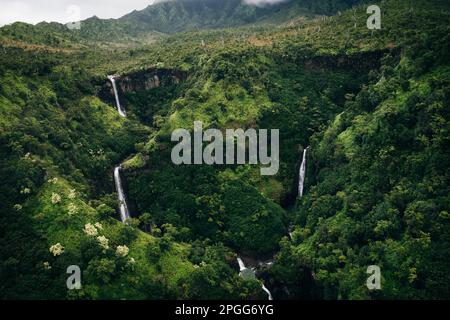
(373, 107)
(381, 186)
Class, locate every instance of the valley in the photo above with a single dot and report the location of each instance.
(86, 141)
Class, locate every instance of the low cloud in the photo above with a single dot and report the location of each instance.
(261, 3)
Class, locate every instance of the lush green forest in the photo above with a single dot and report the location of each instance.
(371, 105)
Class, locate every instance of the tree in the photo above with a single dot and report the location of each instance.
(146, 221)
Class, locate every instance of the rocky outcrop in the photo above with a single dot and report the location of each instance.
(149, 79)
(138, 81)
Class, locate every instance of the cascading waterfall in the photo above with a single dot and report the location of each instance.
(242, 268)
(302, 174)
(121, 110)
(124, 213)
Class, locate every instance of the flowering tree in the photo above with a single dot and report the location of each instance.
(72, 209)
(56, 198)
(90, 230)
(103, 242)
(122, 251)
(57, 249)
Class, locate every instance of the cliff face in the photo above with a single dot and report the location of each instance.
(138, 81)
(149, 79)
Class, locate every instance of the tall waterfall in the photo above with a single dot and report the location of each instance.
(242, 268)
(301, 183)
(121, 110)
(302, 174)
(124, 213)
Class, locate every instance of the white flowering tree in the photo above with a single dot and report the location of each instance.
(56, 198)
(57, 249)
(72, 209)
(103, 242)
(72, 194)
(122, 251)
(90, 230)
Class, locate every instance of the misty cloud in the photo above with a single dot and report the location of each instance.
(264, 2)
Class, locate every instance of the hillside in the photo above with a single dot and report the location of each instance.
(372, 107)
(169, 17)
(185, 15)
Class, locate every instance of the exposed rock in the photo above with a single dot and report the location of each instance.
(138, 81)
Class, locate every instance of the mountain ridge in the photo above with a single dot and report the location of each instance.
(169, 17)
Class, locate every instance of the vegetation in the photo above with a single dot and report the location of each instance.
(373, 107)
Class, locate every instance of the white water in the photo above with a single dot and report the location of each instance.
(242, 267)
(302, 174)
(301, 183)
(122, 111)
(267, 291)
(241, 264)
(124, 213)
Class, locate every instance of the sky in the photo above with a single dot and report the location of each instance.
(34, 11)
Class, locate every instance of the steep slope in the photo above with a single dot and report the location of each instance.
(58, 146)
(184, 15)
(357, 208)
(378, 179)
(373, 107)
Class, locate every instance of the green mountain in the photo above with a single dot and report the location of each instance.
(371, 105)
(184, 15)
(170, 17)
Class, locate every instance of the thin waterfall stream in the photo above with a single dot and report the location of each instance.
(124, 212)
(123, 207)
(301, 181)
(121, 110)
(248, 273)
(302, 174)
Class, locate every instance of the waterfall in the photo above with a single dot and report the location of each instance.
(242, 267)
(124, 213)
(122, 111)
(302, 173)
(301, 183)
(267, 291)
(241, 264)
